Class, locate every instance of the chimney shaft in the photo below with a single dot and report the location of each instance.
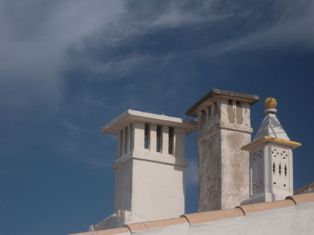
(223, 128)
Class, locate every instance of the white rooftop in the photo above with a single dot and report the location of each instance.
(293, 216)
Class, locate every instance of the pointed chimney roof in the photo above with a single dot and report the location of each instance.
(271, 131)
(270, 125)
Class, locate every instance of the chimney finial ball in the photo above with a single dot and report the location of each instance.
(270, 103)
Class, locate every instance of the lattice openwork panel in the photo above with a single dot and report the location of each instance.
(281, 169)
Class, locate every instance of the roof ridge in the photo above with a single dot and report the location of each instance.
(207, 216)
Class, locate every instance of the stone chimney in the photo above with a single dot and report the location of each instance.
(149, 168)
(271, 163)
(223, 127)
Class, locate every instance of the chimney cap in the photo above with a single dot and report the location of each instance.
(131, 115)
(249, 98)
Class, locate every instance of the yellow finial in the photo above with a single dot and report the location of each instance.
(270, 103)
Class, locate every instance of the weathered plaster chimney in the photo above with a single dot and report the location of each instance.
(223, 128)
(271, 163)
(149, 168)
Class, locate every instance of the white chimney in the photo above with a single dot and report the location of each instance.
(271, 159)
(149, 168)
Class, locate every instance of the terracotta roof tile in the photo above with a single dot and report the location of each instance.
(138, 227)
(256, 207)
(204, 217)
(307, 197)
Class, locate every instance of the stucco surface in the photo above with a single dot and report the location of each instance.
(209, 170)
(123, 186)
(158, 190)
(223, 128)
(234, 168)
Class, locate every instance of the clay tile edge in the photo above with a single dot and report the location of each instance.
(114, 231)
(257, 207)
(138, 227)
(301, 198)
(204, 217)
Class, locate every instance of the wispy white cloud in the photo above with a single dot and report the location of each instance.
(115, 68)
(34, 39)
(227, 26)
(292, 28)
(73, 150)
(111, 39)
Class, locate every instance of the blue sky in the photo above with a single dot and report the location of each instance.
(68, 67)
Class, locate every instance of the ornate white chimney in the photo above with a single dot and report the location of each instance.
(271, 159)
